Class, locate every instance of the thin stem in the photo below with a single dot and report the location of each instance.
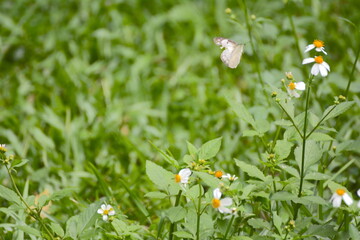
(32, 212)
(172, 226)
(352, 72)
(256, 57)
(292, 120)
(198, 215)
(229, 226)
(321, 120)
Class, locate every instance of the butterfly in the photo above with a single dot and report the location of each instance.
(231, 56)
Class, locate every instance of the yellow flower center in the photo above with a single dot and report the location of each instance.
(340, 192)
(177, 178)
(318, 43)
(218, 174)
(106, 212)
(319, 59)
(215, 203)
(292, 86)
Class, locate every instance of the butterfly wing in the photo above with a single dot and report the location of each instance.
(235, 56)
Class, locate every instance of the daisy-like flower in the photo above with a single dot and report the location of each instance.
(218, 174)
(106, 210)
(338, 196)
(221, 204)
(293, 86)
(319, 66)
(3, 148)
(183, 176)
(231, 178)
(318, 45)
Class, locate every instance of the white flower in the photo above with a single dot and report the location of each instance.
(358, 193)
(318, 45)
(319, 66)
(221, 204)
(231, 178)
(106, 210)
(183, 176)
(295, 86)
(340, 195)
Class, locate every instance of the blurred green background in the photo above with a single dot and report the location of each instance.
(94, 81)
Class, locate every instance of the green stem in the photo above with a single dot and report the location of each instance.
(172, 226)
(291, 120)
(352, 72)
(321, 120)
(198, 215)
(256, 57)
(229, 226)
(32, 212)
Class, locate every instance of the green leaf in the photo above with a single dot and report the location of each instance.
(316, 176)
(29, 230)
(313, 154)
(250, 133)
(87, 217)
(172, 161)
(259, 223)
(191, 148)
(251, 170)
(158, 195)
(321, 230)
(262, 126)
(277, 222)
(282, 149)
(208, 179)
(183, 235)
(61, 194)
(337, 110)
(176, 213)
(241, 111)
(354, 232)
(306, 200)
(42, 138)
(9, 195)
(57, 229)
(158, 175)
(283, 196)
(210, 149)
(321, 137)
(290, 170)
(16, 164)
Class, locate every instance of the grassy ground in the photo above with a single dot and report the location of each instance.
(88, 88)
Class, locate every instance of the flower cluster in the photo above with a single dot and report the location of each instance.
(293, 86)
(341, 195)
(320, 65)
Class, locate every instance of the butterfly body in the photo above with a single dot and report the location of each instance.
(231, 56)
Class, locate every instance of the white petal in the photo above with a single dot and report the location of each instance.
(186, 172)
(100, 211)
(326, 66)
(226, 202)
(105, 217)
(108, 207)
(309, 47)
(111, 213)
(308, 60)
(103, 206)
(336, 200)
(358, 192)
(300, 86)
(322, 50)
(184, 180)
(227, 176)
(224, 210)
(315, 69)
(323, 70)
(347, 199)
(217, 193)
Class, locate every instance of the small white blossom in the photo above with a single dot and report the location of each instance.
(319, 66)
(293, 86)
(222, 204)
(318, 45)
(231, 178)
(106, 210)
(183, 176)
(338, 196)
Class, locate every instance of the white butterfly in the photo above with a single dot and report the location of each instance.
(231, 56)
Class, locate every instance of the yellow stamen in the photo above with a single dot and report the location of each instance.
(106, 212)
(215, 203)
(319, 59)
(292, 86)
(177, 178)
(340, 192)
(318, 43)
(218, 174)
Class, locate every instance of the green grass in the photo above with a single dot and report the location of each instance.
(88, 87)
